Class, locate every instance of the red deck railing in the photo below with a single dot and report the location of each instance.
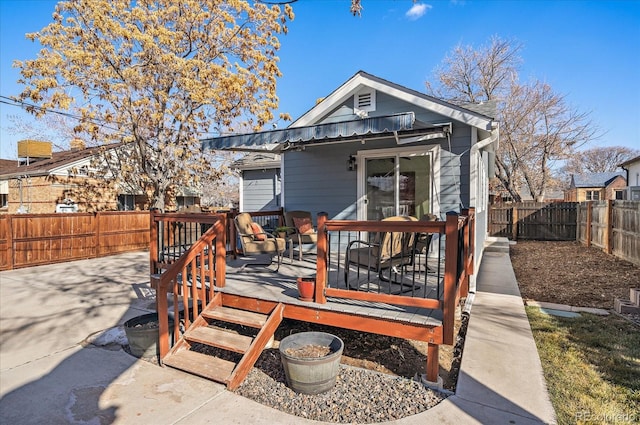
(188, 248)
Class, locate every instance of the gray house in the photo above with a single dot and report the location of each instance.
(373, 149)
(260, 184)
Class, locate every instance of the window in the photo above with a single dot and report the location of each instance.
(4, 200)
(126, 202)
(619, 194)
(593, 195)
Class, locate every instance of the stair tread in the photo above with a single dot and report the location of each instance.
(234, 315)
(219, 338)
(204, 365)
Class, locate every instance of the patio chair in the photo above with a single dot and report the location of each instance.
(423, 240)
(255, 241)
(388, 252)
(303, 230)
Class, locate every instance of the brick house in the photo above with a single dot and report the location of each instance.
(65, 181)
(596, 187)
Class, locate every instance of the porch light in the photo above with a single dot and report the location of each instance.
(351, 163)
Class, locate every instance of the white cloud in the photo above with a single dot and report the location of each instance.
(417, 11)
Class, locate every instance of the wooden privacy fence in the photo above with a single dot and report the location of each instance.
(613, 226)
(34, 239)
(545, 221)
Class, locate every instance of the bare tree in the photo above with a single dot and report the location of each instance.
(477, 75)
(599, 160)
(538, 127)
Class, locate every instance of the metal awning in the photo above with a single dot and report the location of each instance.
(278, 140)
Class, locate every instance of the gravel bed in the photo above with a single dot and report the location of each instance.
(360, 396)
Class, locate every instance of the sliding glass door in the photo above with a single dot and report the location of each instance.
(395, 184)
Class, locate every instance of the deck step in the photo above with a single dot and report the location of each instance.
(233, 315)
(184, 356)
(204, 365)
(219, 338)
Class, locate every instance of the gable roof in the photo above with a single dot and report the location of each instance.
(45, 166)
(258, 161)
(630, 162)
(595, 179)
(362, 79)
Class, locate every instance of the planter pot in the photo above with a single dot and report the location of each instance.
(311, 375)
(142, 334)
(306, 288)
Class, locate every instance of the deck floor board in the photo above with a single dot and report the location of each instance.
(260, 282)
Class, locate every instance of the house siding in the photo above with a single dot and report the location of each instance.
(317, 179)
(261, 190)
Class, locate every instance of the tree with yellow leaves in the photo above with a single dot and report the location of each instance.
(157, 75)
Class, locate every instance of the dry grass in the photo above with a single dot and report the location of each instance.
(591, 365)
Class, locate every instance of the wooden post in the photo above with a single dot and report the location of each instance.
(587, 227)
(321, 262)
(221, 252)
(450, 277)
(162, 308)
(433, 364)
(153, 243)
(10, 247)
(96, 217)
(608, 239)
(514, 223)
(233, 237)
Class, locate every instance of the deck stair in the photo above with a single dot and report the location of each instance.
(236, 336)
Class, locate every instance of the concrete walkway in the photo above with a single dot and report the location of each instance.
(55, 368)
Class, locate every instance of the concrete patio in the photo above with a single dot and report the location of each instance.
(60, 363)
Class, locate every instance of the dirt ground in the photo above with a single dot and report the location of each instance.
(570, 273)
(559, 272)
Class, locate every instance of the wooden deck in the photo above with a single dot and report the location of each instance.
(413, 299)
(260, 283)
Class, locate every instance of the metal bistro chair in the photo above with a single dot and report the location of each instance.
(255, 241)
(387, 253)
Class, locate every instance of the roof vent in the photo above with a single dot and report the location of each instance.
(364, 100)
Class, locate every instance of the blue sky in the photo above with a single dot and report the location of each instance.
(586, 50)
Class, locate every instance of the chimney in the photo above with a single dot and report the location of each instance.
(77, 144)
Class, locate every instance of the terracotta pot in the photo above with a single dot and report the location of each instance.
(306, 288)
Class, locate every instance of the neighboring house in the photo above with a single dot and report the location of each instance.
(260, 187)
(632, 169)
(66, 182)
(373, 149)
(596, 187)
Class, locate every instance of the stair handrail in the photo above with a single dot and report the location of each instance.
(217, 232)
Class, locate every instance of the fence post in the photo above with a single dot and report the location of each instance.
(514, 222)
(10, 247)
(608, 248)
(321, 262)
(96, 227)
(588, 223)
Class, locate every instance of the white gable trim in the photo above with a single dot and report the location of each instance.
(355, 84)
